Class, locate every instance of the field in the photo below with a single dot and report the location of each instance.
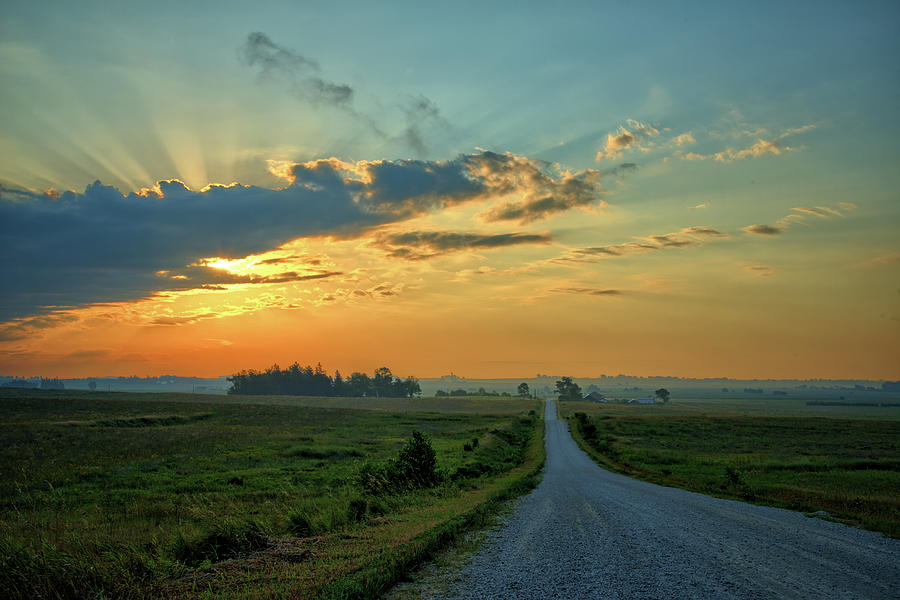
(840, 462)
(168, 495)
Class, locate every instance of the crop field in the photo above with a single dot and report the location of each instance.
(139, 495)
(841, 462)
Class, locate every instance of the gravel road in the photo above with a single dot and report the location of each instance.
(587, 533)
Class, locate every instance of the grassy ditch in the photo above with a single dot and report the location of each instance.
(848, 468)
(198, 499)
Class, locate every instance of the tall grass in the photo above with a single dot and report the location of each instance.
(847, 469)
(123, 497)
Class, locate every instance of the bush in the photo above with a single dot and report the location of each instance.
(300, 525)
(414, 468)
(356, 510)
(225, 540)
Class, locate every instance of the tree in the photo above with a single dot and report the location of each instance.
(568, 389)
(382, 381)
(523, 390)
(663, 394)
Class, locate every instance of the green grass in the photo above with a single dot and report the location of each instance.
(135, 496)
(849, 468)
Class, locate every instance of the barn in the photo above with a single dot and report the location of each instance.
(595, 397)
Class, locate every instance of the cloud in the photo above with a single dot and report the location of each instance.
(407, 188)
(888, 258)
(304, 79)
(685, 139)
(761, 147)
(626, 168)
(819, 211)
(545, 189)
(588, 291)
(418, 112)
(302, 75)
(23, 328)
(625, 138)
(183, 320)
(419, 245)
(763, 229)
(799, 216)
(101, 245)
(689, 236)
(759, 270)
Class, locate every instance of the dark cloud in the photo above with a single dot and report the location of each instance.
(302, 75)
(407, 188)
(763, 229)
(104, 246)
(588, 291)
(419, 245)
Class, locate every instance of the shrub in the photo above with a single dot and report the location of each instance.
(225, 540)
(356, 510)
(415, 467)
(300, 525)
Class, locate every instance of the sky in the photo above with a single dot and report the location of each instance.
(491, 189)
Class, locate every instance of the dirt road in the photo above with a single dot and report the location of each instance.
(587, 533)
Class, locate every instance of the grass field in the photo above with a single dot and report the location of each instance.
(133, 496)
(842, 460)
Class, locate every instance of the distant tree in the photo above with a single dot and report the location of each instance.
(662, 394)
(92, 385)
(410, 387)
(440, 394)
(568, 389)
(382, 381)
(360, 385)
(459, 392)
(523, 390)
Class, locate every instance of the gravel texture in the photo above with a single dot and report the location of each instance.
(587, 533)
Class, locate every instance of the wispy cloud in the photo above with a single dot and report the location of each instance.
(419, 245)
(763, 229)
(583, 291)
(304, 79)
(758, 270)
(689, 236)
(773, 146)
(419, 111)
(22, 328)
(301, 74)
(799, 215)
(626, 137)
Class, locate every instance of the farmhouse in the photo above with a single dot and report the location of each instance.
(645, 400)
(595, 397)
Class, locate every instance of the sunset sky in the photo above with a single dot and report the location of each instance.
(493, 189)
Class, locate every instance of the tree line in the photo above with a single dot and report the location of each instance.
(309, 381)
